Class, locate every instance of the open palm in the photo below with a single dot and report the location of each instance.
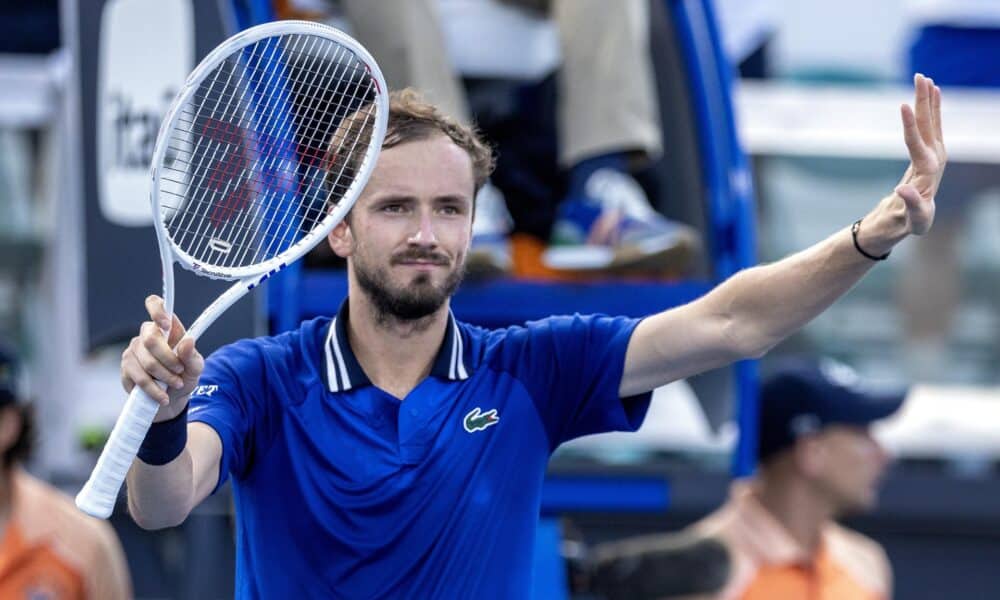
(925, 143)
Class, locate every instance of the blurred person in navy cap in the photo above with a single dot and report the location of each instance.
(776, 537)
(818, 461)
(48, 549)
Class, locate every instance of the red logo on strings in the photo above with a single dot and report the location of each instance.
(275, 173)
(227, 167)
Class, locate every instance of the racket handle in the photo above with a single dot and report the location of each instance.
(99, 494)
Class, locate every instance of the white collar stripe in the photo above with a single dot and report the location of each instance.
(462, 373)
(331, 369)
(336, 368)
(341, 365)
(454, 355)
(458, 363)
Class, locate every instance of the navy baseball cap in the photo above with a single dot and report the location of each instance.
(8, 375)
(803, 397)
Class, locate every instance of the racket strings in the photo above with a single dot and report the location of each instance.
(310, 153)
(214, 177)
(308, 120)
(228, 206)
(204, 95)
(250, 160)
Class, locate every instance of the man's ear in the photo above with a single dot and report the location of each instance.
(341, 239)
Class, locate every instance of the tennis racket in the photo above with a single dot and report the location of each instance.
(262, 153)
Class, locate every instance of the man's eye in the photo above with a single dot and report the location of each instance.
(392, 208)
(450, 210)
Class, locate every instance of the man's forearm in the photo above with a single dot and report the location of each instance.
(161, 496)
(765, 304)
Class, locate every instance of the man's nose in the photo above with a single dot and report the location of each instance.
(423, 235)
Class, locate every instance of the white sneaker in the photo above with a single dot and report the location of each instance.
(490, 251)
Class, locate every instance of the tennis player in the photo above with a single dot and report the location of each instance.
(391, 451)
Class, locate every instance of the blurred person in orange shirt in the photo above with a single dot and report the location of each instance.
(818, 461)
(48, 549)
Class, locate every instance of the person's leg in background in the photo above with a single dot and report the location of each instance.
(609, 126)
(607, 100)
(406, 39)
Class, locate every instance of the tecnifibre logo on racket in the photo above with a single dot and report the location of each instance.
(476, 421)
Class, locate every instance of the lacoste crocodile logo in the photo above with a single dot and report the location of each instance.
(476, 421)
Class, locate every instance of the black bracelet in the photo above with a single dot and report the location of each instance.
(165, 440)
(854, 235)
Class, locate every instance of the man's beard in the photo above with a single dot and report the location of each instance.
(418, 299)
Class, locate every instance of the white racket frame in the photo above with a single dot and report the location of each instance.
(99, 495)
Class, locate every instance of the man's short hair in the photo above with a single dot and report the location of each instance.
(411, 119)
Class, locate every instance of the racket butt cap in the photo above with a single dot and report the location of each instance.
(93, 504)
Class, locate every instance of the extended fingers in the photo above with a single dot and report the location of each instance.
(914, 143)
(936, 114)
(923, 107)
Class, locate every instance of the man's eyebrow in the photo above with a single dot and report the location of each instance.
(394, 197)
(459, 198)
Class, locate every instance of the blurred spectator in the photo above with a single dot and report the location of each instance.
(817, 462)
(48, 549)
(950, 39)
(607, 128)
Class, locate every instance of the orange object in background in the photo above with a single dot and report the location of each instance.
(527, 250)
(51, 550)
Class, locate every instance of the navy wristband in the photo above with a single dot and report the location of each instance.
(165, 440)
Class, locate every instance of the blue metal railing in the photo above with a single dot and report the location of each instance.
(726, 171)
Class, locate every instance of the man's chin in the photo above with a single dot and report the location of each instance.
(414, 309)
(416, 300)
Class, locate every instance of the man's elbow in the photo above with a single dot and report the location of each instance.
(748, 342)
(758, 351)
(151, 521)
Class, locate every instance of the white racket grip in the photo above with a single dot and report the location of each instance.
(99, 494)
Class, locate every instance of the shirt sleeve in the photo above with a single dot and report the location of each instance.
(572, 367)
(230, 398)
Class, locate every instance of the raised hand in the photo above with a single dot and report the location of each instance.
(925, 143)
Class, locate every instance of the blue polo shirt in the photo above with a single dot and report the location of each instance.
(344, 491)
